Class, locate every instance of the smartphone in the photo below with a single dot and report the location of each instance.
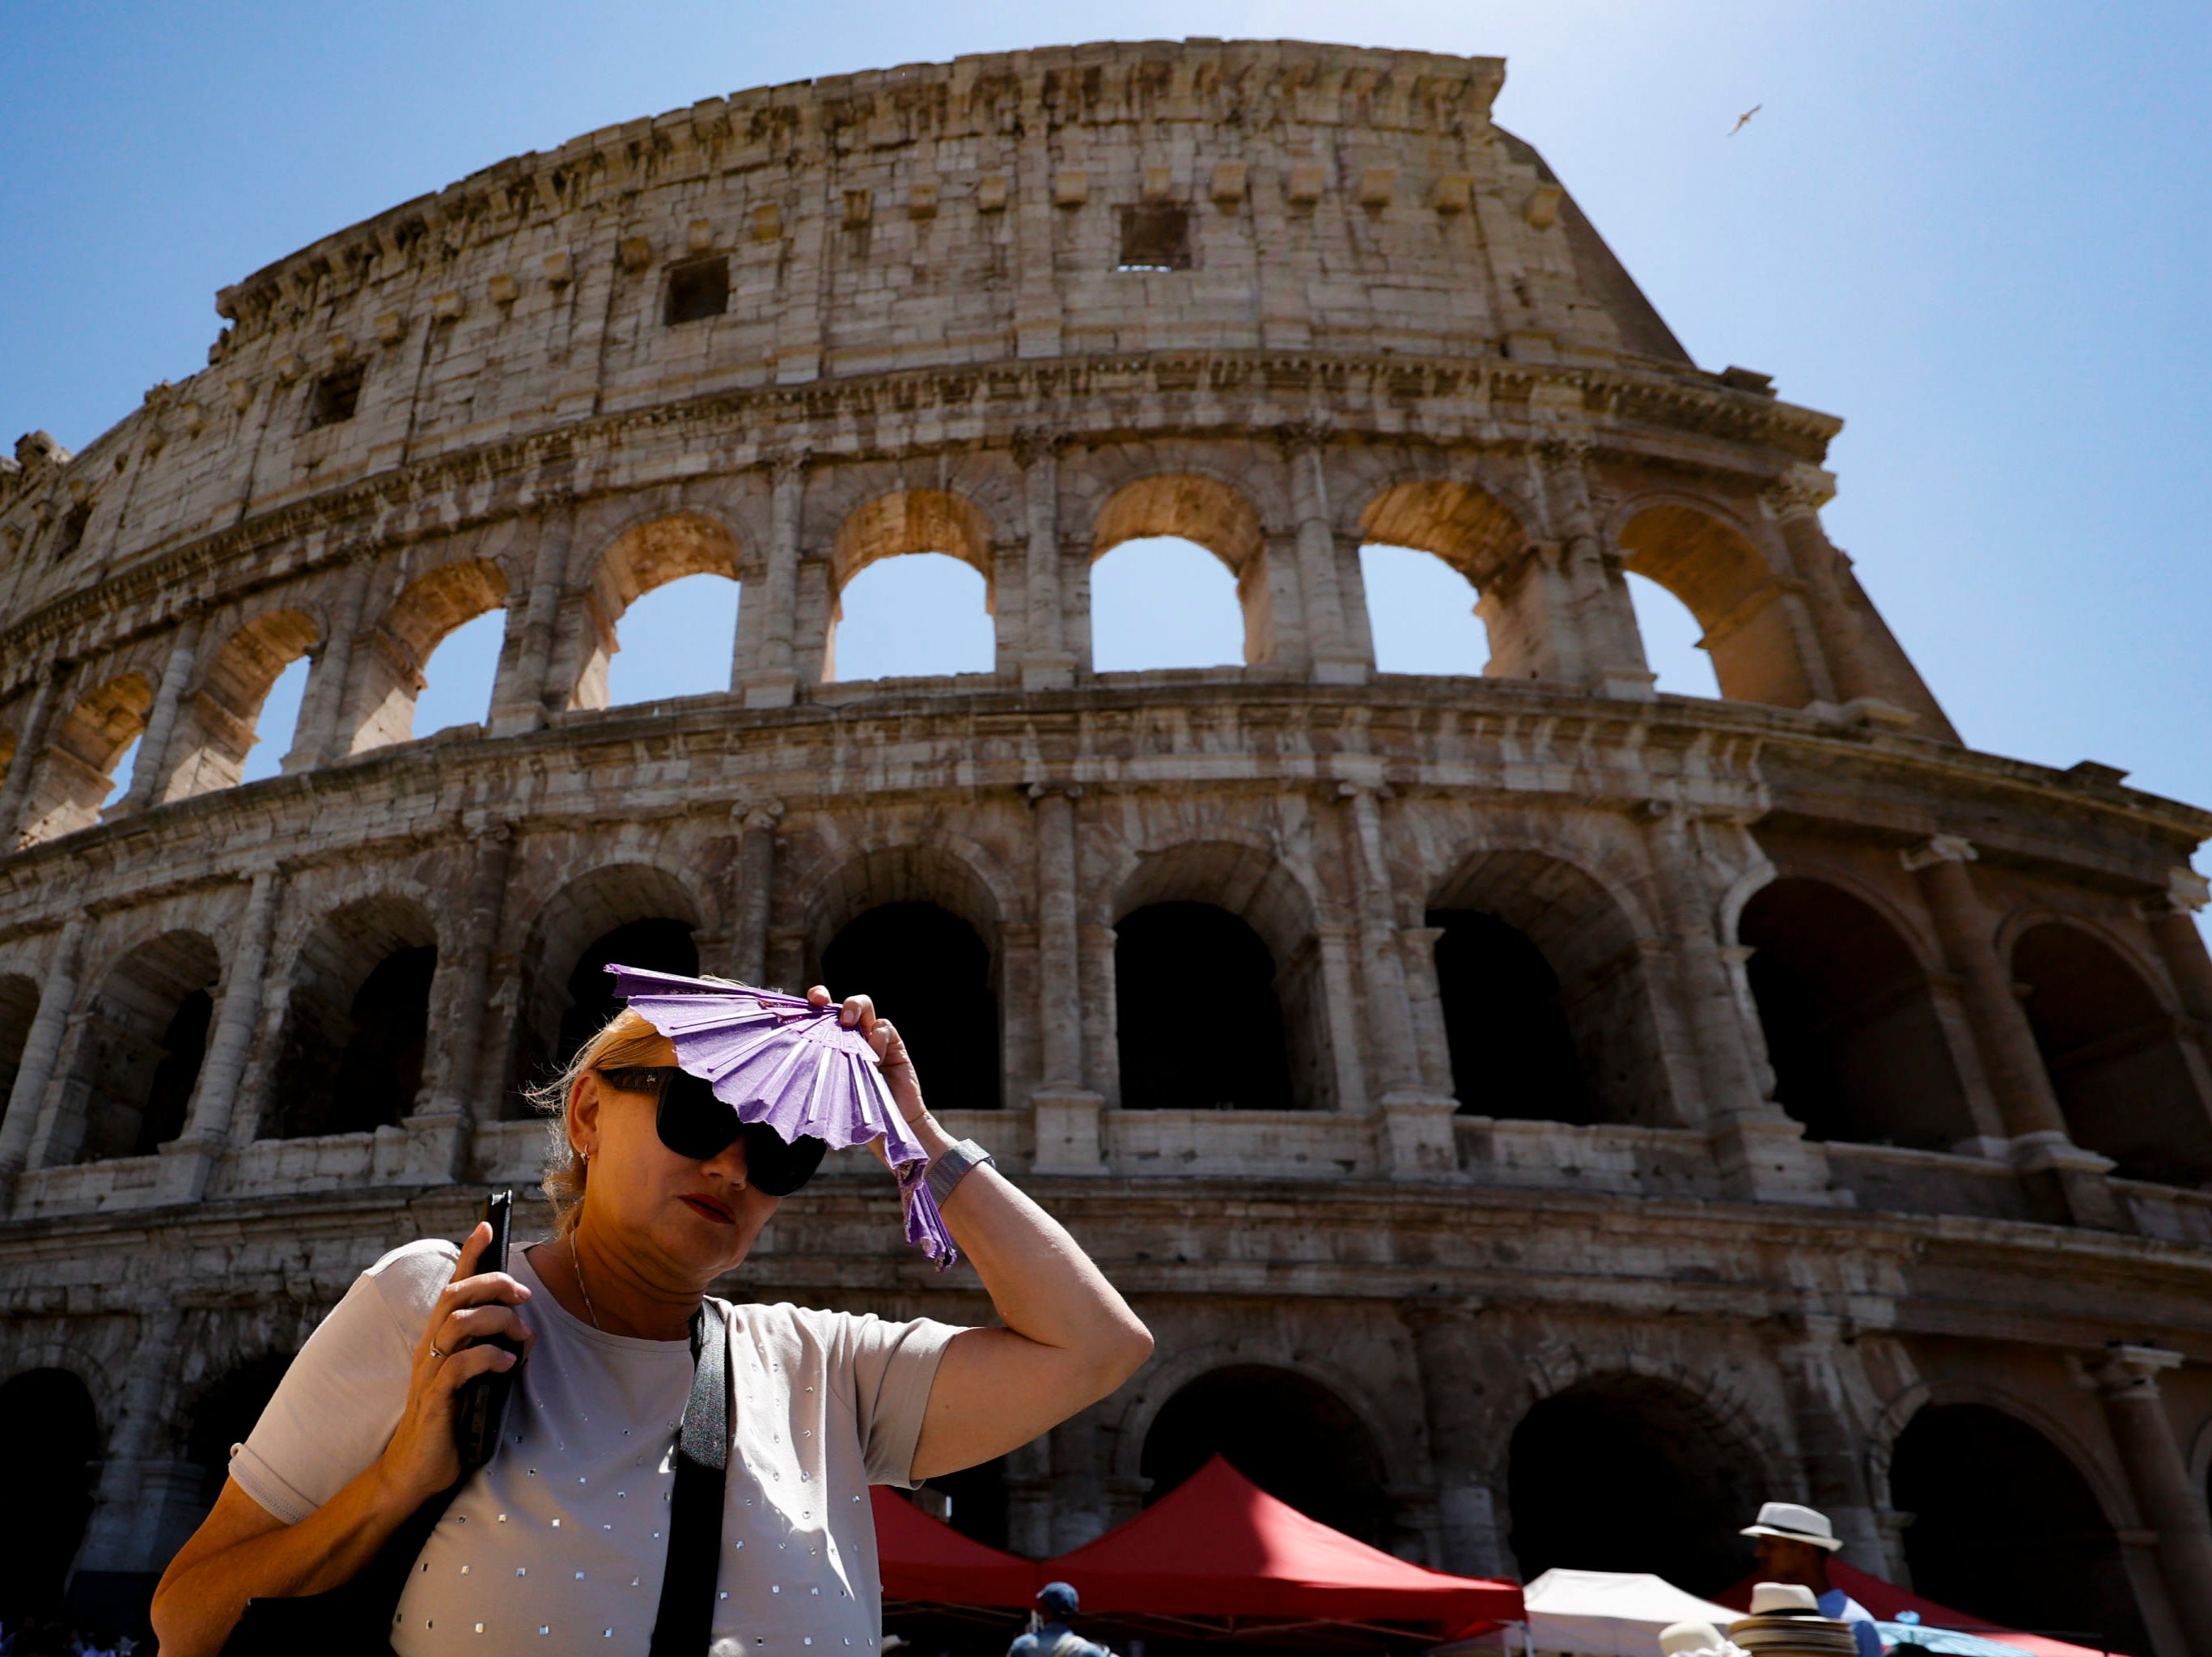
(483, 1402)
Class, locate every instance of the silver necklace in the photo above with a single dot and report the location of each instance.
(576, 1259)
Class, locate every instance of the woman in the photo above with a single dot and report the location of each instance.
(561, 1541)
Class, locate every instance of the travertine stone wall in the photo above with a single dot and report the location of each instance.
(1385, 321)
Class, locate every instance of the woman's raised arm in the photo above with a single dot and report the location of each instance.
(1069, 1340)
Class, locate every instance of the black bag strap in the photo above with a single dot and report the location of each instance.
(685, 1623)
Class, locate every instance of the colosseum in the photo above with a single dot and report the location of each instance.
(1540, 1117)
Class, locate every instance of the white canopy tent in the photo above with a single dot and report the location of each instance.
(1605, 1613)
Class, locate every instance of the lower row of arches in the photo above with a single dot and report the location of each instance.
(1551, 1005)
(1619, 1472)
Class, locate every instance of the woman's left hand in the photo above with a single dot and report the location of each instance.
(859, 1012)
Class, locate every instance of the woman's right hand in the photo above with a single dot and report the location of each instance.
(422, 1458)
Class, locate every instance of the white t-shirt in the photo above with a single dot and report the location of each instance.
(559, 1543)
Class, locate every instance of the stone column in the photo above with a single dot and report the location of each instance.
(146, 776)
(773, 681)
(123, 1533)
(41, 1047)
(1334, 660)
(1068, 1132)
(1445, 1337)
(30, 747)
(189, 1160)
(1828, 1445)
(518, 703)
(2169, 1502)
(2038, 1140)
(321, 739)
(1047, 662)
(753, 897)
(1598, 607)
(438, 1135)
(1417, 1128)
(1795, 505)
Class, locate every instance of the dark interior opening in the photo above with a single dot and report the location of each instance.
(2005, 1527)
(46, 1490)
(336, 396)
(69, 535)
(1155, 236)
(930, 974)
(184, 1048)
(380, 1072)
(1229, 1055)
(659, 944)
(1512, 1053)
(697, 290)
(1584, 1458)
(227, 1413)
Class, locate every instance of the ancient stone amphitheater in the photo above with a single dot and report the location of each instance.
(1540, 1118)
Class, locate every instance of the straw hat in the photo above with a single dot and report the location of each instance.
(1783, 1600)
(1679, 1639)
(1785, 1621)
(1793, 1523)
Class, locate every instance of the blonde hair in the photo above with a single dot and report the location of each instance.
(625, 1038)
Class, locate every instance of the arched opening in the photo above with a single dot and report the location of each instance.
(219, 726)
(19, 1005)
(1852, 1031)
(1292, 1436)
(913, 589)
(2005, 1527)
(1234, 1058)
(663, 613)
(633, 913)
(659, 944)
(431, 663)
(1545, 988)
(278, 728)
(87, 764)
(1719, 575)
(2114, 1057)
(1162, 606)
(929, 973)
(1673, 643)
(139, 1057)
(46, 1490)
(1583, 1459)
(1421, 612)
(356, 1027)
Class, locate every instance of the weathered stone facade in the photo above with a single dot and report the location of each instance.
(1280, 299)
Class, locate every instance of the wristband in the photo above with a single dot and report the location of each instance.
(952, 1165)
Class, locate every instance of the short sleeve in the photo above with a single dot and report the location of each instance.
(892, 1366)
(334, 1409)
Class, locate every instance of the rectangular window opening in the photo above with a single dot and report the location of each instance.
(1155, 236)
(337, 394)
(697, 290)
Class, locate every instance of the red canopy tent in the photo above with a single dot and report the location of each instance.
(1219, 1547)
(1886, 1599)
(920, 1558)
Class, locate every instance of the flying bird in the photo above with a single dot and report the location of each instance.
(1744, 120)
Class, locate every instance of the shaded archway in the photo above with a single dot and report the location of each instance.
(1629, 1474)
(140, 1053)
(356, 1027)
(1851, 1029)
(680, 547)
(1209, 514)
(1235, 1058)
(1712, 567)
(1472, 533)
(226, 1414)
(2115, 1059)
(218, 725)
(1288, 1433)
(659, 943)
(79, 769)
(1544, 985)
(938, 531)
(929, 973)
(2004, 1526)
(389, 673)
(46, 1490)
(19, 1005)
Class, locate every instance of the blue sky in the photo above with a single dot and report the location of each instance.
(1978, 231)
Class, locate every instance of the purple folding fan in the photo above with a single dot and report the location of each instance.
(780, 1060)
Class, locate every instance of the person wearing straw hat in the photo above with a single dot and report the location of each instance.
(1794, 1545)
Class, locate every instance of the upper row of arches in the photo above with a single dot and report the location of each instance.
(912, 581)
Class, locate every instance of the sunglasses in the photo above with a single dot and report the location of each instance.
(693, 1124)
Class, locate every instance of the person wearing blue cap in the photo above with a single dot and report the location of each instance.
(1057, 1607)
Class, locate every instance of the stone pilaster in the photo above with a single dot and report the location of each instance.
(1608, 647)
(321, 738)
(1470, 1543)
(2126, 1380)
(773, 680)
(1828, 1440)
(188, 1162)
(153, 764)
(1067, 1113)
(1047, 662)
(753, 891)
(438, 1134)
(1795, 505)
(518, 700)
(57, 1000)
(1335, 659)
(30, 753)
(129, 1508)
